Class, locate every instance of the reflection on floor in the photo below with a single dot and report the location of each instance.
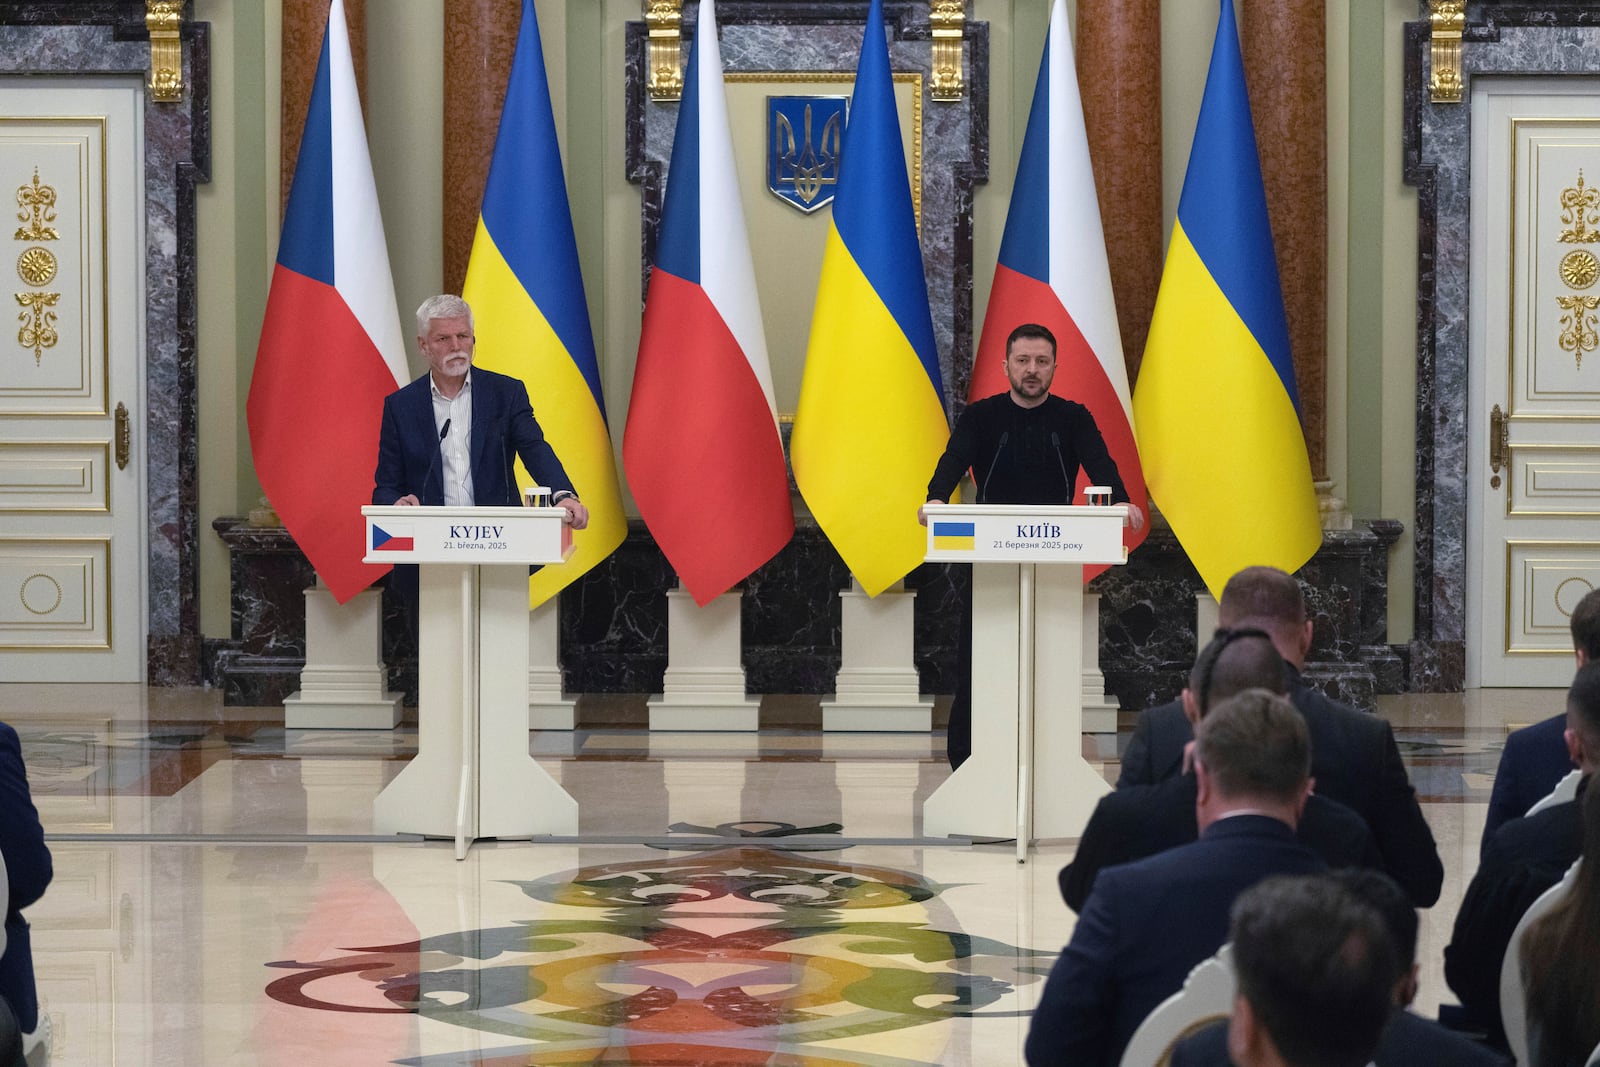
(220, 898)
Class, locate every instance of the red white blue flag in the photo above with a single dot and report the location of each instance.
(701, 448)
(331, 345)
(1053, 270)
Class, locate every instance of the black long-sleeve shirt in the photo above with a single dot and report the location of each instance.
(1024, 455)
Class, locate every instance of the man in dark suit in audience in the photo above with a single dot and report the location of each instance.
(1408, 1040)
(1147, 923)
(1353, 755)
(1142, 820)
(1315, 969)
(1535, 757)
(1525, 857)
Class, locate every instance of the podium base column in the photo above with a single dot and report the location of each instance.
(704, 684)
(342, 685)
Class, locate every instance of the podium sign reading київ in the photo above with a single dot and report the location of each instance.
(1027, 775)
(472, 776)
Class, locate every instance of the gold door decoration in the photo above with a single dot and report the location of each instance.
(36, 266)
(1579, 269)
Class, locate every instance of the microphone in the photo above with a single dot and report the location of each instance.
(1055, 440)
(444, 431)
(983, 490)
(505, 464)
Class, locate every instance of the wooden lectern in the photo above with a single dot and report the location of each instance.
(472, 776)
(1027, 776)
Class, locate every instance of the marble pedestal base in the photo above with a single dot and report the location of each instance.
(877, 686)
(704, 684)
(549, 708)
(342, 685)
(1099, 707)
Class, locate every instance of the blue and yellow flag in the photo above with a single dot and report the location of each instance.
(870, 425)
(529, 310)
(1215, 404)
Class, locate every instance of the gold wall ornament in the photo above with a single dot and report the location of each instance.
(38, 204)
(665, 20)
(164, 21)
(1580, 212)
(1579, 268)
(947, 18)
(38, 330)
(1448, 19)
(1578, 334)
(36, 265)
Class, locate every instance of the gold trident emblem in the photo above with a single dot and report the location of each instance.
(811, 165)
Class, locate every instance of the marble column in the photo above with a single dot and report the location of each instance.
(480, 37)
(1119, 76)
(1285, 62)
(304, 22)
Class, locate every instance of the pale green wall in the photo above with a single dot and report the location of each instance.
(1372, 215)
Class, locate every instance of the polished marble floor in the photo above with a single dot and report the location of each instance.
(220, 897)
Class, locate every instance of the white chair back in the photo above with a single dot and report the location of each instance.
(1513, 1006)
(1565, 790)
(1207, 995)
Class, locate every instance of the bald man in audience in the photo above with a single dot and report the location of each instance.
(1142, 820)
(1147, 923)
(1354, 758)
(1525, 857)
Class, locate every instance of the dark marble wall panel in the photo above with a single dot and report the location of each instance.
(614, 619)
(1501, 39)
(91, 39)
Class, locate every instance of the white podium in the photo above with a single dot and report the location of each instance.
(472, 776)
(1027, 776)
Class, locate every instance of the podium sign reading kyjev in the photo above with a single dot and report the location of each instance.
(466, 535)
(472, 776)
(1027, 775)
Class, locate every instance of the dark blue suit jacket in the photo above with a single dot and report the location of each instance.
(1408, 1041)
(1534, 760)
(503, 427)
(1144, 927)
(1354, 760)
(28, 872)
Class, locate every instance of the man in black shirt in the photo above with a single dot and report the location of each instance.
(1023, 446)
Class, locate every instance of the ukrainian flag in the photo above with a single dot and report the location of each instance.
(955, 536)
(1215, 406)
(870, 425)
(528, 307)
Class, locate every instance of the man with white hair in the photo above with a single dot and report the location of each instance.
(453, 435)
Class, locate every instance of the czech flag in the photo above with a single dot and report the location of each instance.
(1053, 271)
(1218, 414)
(701, 449)
(529, 311)
(870, 425)
(331, 346)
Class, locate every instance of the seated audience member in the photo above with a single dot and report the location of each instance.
(1561, 963)
(1535, 757)
(1525, 857)
(1147, 923)
(28, 873)
(1316, 973)
(1145, 819)
(1353, 755)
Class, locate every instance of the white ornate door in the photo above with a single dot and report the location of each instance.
(1534, 397)
(72, 550)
